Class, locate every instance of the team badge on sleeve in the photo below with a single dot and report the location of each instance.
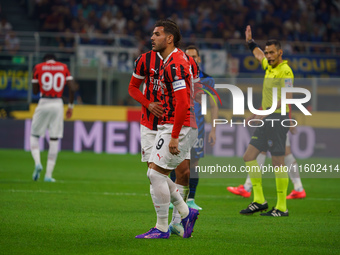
(288, 83)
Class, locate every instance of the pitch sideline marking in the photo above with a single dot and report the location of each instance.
(136, 194)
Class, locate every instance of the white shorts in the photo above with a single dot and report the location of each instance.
(288, 140)
(147, 140)
(49, 114)
(161, 155)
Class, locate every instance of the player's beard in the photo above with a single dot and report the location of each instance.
(159, 47)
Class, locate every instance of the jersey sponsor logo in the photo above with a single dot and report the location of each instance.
(156, 83)
(156, 87)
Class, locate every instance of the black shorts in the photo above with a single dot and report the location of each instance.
(271, 136)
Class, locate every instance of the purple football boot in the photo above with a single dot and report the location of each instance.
(189, 222)
(154, 233)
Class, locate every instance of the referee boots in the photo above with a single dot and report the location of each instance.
(275, 213)
(254, 207)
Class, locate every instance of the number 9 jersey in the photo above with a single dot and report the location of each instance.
(51, 76)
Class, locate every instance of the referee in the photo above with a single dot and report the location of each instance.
(269, 137)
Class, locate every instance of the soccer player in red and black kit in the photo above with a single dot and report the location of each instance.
(177, 133)
(50, 78)
(147, 70)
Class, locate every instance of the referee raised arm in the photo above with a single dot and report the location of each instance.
(272, 135)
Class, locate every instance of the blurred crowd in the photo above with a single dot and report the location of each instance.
(8, 40)
(290, 20)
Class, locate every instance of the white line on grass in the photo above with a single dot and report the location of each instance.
(73, 192)
(140, 194)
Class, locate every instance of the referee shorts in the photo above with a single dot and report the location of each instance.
(271, 136)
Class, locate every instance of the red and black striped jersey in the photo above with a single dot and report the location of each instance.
(177, 74)
(147, 67)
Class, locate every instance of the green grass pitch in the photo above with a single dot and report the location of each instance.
(102, 201)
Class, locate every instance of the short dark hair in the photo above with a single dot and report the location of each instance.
(49, 56)
(172, 28)
(193, 47)
(274, 42)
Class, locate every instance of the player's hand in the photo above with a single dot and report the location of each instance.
(69, 113)
(212, 137)
(156, 109)
(293, 130)
(173, 146)
(248, 34)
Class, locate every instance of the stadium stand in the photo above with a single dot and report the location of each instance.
(292, 21)
(60, 26)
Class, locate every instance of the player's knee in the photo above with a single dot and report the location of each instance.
(246, 157)
(186, 174)
(278, 161)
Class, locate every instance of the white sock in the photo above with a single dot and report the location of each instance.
(160, 198)
(177, 200)
(151, 189)
(261, 158)
(35, 150)
(294, 174)
(247, 185)
(184, 192)
(52, 157)
(152, 193)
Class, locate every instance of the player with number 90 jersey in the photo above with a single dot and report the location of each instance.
(51, 76)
